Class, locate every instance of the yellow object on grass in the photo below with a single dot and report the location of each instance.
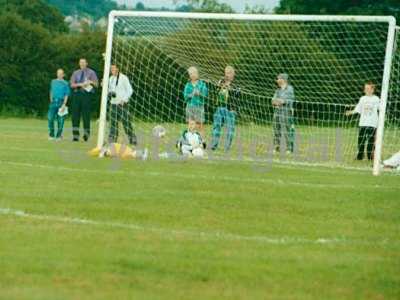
(114, 150)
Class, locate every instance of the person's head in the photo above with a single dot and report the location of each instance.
(229, 73)
(192, 125)
(60, 74)
(114, 70)
(369, 88)
(83, 63)
(193, 73)
(282, 79)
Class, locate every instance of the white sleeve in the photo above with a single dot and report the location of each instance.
(358, 108)
(110, 87)
(378, 103)
(127, 88)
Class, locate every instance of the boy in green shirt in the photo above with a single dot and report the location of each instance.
(225, 114)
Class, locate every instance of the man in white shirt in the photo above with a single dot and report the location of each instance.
(367, 108)
(120, 91)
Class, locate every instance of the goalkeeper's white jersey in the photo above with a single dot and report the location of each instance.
(368, 108)
(194, 139)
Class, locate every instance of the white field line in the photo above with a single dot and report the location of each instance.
(174, 233)
(277, 182)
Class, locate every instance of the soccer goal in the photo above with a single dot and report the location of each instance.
(327, 58)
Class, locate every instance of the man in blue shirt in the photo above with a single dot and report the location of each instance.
(59, 92)
(83, 82)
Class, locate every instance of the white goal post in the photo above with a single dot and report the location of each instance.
(310, 43)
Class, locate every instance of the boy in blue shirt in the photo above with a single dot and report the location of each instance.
(195, 93)
(59, 92)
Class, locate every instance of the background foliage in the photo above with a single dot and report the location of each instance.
(36, 40)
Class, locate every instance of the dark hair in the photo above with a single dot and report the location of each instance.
(371, 83)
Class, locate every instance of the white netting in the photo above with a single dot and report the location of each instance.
(328, 63)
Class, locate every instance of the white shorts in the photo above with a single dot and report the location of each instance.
(188, 150)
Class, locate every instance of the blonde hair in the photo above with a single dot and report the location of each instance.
(193, 69)
(230, 69)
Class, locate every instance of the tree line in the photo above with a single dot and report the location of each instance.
(36, 41)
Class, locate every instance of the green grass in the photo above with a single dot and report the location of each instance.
(110, 229)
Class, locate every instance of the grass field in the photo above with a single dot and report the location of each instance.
(74, 227)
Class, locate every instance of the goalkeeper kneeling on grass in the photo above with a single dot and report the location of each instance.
(191, 143)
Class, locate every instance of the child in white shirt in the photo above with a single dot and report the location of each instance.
(367, 108)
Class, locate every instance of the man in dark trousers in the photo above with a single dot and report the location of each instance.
(283, 124)
(120, 91)
(83, 82)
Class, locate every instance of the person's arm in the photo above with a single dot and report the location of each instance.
(128, 90)
(235, 95)
(350, 112)
(204, 90)
(275, 101)
(288, 98)
(50, 93)
(75, 85)
(356, 110)
(93, 80)
(187, 93)
(67, 93)
(110, 89)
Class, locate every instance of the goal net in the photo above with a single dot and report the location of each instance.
(391, 142)
(327, 60)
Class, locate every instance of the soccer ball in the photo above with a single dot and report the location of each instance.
(159, 131)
